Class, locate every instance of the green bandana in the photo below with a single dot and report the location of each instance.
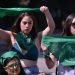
(63, 48)
(25, 42)
(16, 11)
(6, 55)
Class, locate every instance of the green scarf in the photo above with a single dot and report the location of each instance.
(25, 42)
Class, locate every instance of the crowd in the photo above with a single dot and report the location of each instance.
(21, 44)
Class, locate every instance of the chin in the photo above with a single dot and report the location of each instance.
(27, 32)
(16, 74)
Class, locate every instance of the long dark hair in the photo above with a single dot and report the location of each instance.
(16, 27)
(3, 72)
(67, 24)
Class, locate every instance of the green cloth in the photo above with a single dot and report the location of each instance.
(25, 42)
(7, 55)
(16, 11)
(63, 48)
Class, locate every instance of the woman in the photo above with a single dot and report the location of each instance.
(68, 30)
(24, 38)
(10, 64)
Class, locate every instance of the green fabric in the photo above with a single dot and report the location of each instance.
(63, 48)
(25, 42)
(6, 55)
(46, 55)
(16, 11)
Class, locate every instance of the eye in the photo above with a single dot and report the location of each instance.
(12, 66)
(24, 23)
(73, 25)
(27, 23)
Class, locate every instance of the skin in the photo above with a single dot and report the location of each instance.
(72, 29)
(67, 70)
(12, 71)
(26, 26)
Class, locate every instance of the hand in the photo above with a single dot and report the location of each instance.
(44, 9)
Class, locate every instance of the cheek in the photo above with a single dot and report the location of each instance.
(31, 26)
(72, 30)
(19, 69)
(8, 71)
(22, 26)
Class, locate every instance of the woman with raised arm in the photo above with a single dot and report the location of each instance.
(26, 40)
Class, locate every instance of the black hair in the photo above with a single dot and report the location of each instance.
(67, 24)
(2, 70)
(16, 27)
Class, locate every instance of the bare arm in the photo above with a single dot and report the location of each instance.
(5, 37)
(49, 29)
(4, 34)
(50, 62)
(50, 22)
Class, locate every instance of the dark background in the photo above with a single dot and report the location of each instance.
(58, 8)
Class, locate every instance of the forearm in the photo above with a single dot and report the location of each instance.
(50, 21)
(4, 35)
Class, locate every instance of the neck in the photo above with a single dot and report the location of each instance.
(24, 34)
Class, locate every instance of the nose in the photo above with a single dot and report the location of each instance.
(27, 25)
(14, 66)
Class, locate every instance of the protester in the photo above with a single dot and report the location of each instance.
(26, 40)
(68, 30)
(10, 64)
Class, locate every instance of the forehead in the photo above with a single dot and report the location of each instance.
(27, 18)
(15, 60)
(73, 21)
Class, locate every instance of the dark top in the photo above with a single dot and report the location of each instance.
(25, 47)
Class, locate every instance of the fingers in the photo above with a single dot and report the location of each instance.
(44, 9)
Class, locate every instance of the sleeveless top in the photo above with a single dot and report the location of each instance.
(25, 47)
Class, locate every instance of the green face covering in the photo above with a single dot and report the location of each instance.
(6, 55)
